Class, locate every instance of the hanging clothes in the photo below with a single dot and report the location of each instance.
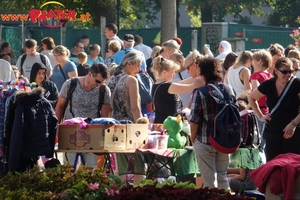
(33, 130)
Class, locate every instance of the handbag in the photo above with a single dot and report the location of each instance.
(145, 86)
(277, 104)
(152, 116)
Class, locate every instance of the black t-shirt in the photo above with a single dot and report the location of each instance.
(83, 70)
(288, 108)
(165, 104)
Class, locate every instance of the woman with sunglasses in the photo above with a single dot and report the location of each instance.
(282, 134)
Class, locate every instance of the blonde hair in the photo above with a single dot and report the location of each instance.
(161, 64)
(194, 56)
(244, 57)
(171, 44)
(111, 69)
(62, 50)
(264, 56)
(82, 57)
(114, 46)
(156, 49)
(294, 54)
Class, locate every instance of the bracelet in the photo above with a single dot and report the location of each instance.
(294, 123)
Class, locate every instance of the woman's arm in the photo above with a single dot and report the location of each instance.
(73, 74)
(135, 99)
(59, 109)
(245, 76)
(179, 88)
(252, 98)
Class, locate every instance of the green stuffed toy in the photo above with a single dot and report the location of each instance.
(173, 126)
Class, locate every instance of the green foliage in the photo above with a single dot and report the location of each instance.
(242, 20)
(58, 183)
(284, 12)
(218, 9)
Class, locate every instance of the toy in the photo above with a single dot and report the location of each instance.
(173, 126)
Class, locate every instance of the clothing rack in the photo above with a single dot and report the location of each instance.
(19, 83)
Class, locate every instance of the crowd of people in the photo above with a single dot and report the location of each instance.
(179, 82)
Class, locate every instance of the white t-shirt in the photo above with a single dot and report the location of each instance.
(49, 54)
(185, 98)
(29, 61)
(145, 49)
(234, 80)
(6, 72)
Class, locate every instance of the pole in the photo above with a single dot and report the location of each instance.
(102, 36)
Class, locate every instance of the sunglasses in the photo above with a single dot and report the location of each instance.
(286, 71)
(188, 67)
(97, 81)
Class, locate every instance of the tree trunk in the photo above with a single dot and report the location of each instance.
(168, 20)
(206, 15)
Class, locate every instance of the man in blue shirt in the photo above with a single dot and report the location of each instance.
(128, 46)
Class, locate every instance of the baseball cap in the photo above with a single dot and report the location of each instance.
(128, 38)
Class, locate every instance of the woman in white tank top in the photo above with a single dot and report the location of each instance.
(239, 74)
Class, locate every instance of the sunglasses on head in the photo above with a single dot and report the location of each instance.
(286, 71)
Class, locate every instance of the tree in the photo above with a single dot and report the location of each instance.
(284, 12)
(216, 10)
(133, 13)
(168, 20)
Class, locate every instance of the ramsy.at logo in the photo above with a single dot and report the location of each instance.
(42, 15)
(80, 138)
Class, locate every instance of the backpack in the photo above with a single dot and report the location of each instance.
(145, 87)
(249, 131)
(43, 59)
(226, 137)
(71, 90)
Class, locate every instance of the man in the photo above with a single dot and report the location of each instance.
(85, 101)
(138, 45)
(85, 40)
(110, 33)
(31, 57)
(128, 46)
(78, 47)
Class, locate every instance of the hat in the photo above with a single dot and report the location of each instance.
(128, 38)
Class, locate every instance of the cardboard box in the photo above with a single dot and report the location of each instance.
(270, 196)
(137, 136)
(96, 137)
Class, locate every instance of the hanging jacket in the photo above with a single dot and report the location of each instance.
(34, 127)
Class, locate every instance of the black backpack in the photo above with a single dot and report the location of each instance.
(249, 132)
(71, 90)
(226, 137)
(43, 59)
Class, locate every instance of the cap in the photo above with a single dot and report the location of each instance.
(128, 38)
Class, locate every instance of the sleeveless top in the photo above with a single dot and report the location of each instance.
(234, 80)
(121, 109)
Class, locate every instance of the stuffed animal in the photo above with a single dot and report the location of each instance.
(173, 126)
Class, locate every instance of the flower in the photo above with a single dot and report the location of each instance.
(94, 186)
(296, 35)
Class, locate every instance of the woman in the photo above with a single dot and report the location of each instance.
(276, 53)
(229, 61)
(83, 67)
(210, 161)
(239, 74)
(166, 100)
(170, 47)
(113, 47)
(38, 75)
(48, 45)
(94, 57)
(65, 69)
(224, 49)
(281, 133)
(261, 62)
(125, 102)
(5, 51)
